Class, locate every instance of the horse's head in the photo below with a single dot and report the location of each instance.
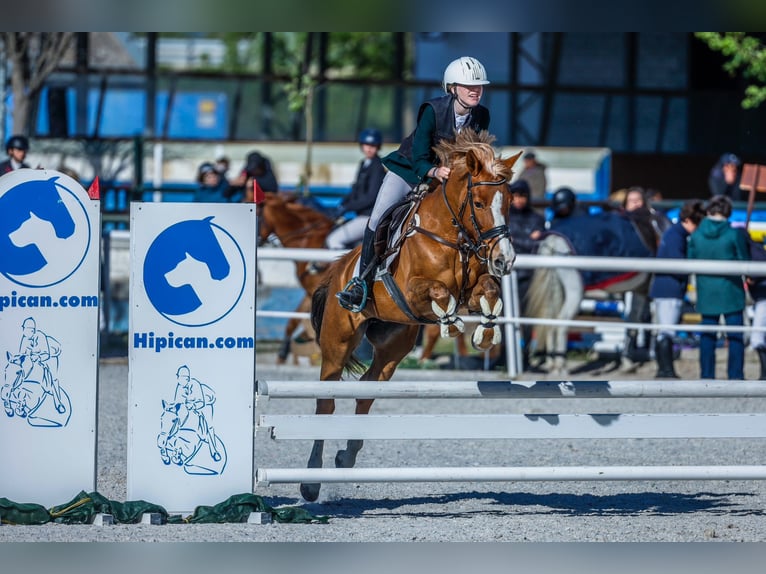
(478, 196)
(16, 364)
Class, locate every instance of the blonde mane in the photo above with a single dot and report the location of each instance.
(480, 143)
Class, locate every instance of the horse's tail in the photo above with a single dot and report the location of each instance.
(554, 293)
(544, 299)
(318, 301)
(318, 304)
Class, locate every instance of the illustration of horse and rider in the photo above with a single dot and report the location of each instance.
(185, 428)
(31, 377)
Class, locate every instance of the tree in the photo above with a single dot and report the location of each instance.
(33, 56)
(746, 54)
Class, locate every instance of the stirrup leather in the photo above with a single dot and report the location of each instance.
(349, 306)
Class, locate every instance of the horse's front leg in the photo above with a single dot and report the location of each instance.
(429, 295)
(485, 299)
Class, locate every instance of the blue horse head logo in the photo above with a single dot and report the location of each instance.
(44, 230)
(194, 272)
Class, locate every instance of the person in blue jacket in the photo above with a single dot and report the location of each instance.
(212, 187)
(720, 295)
(415, 162)
(668, 290)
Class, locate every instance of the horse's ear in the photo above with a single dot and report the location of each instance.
(511, 161)
(473, 164)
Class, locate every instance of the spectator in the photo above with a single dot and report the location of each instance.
(361, 198)
(415, 161)
(526, 227)
(212, 187)
(534, 174)
(16, 147)
(725, 176)
(720, 294)
(668, 290)
(222, 165)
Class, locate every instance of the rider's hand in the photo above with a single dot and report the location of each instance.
(441, 173)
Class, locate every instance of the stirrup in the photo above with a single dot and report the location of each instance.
(350, 306)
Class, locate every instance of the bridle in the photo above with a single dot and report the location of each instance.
(478, 244)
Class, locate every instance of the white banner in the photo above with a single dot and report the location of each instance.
(191, 353)
(50, 234)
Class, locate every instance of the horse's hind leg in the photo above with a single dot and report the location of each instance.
(392, 342)
(310, 490)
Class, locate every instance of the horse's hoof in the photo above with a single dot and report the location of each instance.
(10, 413)
(310, 492)
(216, 457)
(61, 409)
(342, 460)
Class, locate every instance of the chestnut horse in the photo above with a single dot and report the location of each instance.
(298, 226)
(453, 246)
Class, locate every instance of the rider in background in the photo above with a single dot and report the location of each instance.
(415, 162)
(257, 168)
(16, 147)
(361, 198)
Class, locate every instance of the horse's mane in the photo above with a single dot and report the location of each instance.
(480, 143)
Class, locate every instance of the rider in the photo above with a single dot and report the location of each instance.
(415, 161)
(189, 390)
(363, 192)
(16, 147)
(45, 350)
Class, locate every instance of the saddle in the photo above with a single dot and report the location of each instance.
(389, 233)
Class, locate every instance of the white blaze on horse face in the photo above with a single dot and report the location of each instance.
(508, 254)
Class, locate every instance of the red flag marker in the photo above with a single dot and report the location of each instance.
(258, 195)
(94, 191)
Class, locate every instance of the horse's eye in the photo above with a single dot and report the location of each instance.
(478, 205)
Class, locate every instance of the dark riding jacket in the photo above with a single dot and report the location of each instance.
(672, 246)
(436, 122)
(363, 192)
(7, 167)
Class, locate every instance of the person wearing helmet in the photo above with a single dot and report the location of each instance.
(361, 198)
(16, 147)
(724, 178)
(563, 203)
(415, 162)
(212, 186)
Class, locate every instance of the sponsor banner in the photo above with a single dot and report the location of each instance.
(191, 353)
(50, 235)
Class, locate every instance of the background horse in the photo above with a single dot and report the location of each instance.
(296, 226)
(453, 246)
(556, 293)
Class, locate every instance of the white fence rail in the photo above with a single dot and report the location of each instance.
(511, 318)
(560, 426)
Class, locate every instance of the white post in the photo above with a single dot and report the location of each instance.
(157, 174)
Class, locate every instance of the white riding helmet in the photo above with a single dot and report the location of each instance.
(466, 71)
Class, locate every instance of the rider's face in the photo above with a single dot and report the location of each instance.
(470, 95)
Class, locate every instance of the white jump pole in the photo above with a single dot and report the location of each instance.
(509, 389)
(506, 474)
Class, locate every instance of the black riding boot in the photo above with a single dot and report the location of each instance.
(354, 295)
(762, 358)
(663, 352)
